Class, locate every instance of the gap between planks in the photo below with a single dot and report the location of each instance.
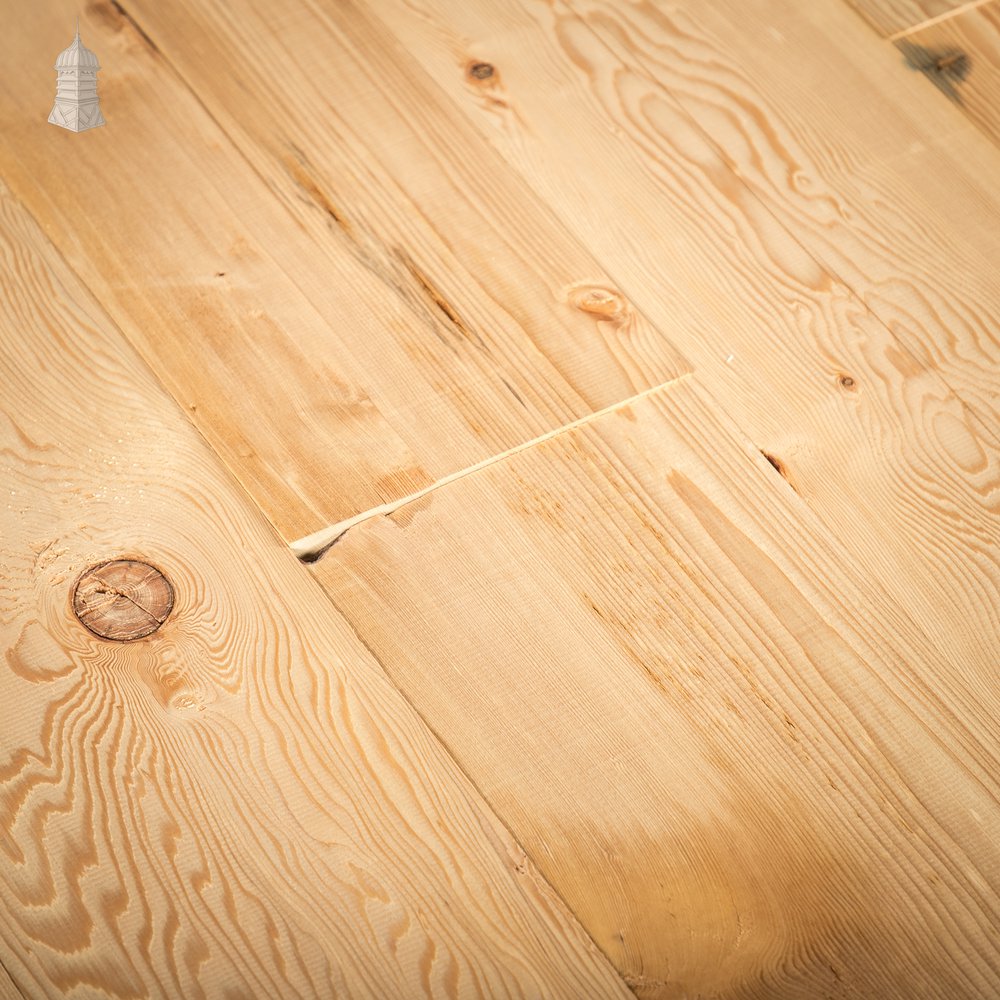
(312, 547)
(937, 19)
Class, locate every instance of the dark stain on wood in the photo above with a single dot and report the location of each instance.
(481, 70)
(123, 599)
(485, 77)
(437, 299)
(945, 68)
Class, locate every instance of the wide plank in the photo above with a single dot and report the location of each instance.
(412, 183)
(894, 197)
(334, 343)
(886, 187)
(895, 17)
(241, 803)
(748, 771)
(961, 57)
(873, 438)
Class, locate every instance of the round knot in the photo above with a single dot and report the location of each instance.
(123, 599)
(602, 302)
(481, 70)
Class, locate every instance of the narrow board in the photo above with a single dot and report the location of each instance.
(239, 804)
(336, 358)
(871, 436)
(961, 57)
(894, 17)
(748, 771)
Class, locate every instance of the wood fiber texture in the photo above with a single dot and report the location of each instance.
(889, 444)
(748, 771)
(239, 804)
(627, 375)
(894, 17)
(336, 358)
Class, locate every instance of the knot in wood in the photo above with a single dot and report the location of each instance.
(601, 302)
(481, 70)
(123, 599)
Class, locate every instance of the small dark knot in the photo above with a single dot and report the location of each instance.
(481, 70)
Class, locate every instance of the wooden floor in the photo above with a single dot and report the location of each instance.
(564, 438)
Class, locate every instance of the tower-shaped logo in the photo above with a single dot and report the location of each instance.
(76, 106)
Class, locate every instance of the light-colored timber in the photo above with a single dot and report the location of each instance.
(630, 374)
(748, 771)
(239, 804)
(336, 358)
(961, 56)
(864, 428)
(885, 186)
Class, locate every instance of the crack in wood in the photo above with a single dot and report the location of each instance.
(311, 548)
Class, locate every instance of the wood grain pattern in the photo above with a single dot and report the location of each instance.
(240, 804)
(335, 360)
(961, 56)
(894, 196)
(749, 771)
(364, 129)
(857, 424)
(893, 193)
(8, 990)
(891, 17)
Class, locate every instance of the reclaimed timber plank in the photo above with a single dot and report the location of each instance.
(336, 357)
(240, 803)
(873, 437)
(748, 771)
(895, 196)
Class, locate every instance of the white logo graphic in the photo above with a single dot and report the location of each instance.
(76, 106)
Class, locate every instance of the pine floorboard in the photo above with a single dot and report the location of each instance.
(628, 376)
(748, 771)
(386, 354)
(847, 405)
(239, 804)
